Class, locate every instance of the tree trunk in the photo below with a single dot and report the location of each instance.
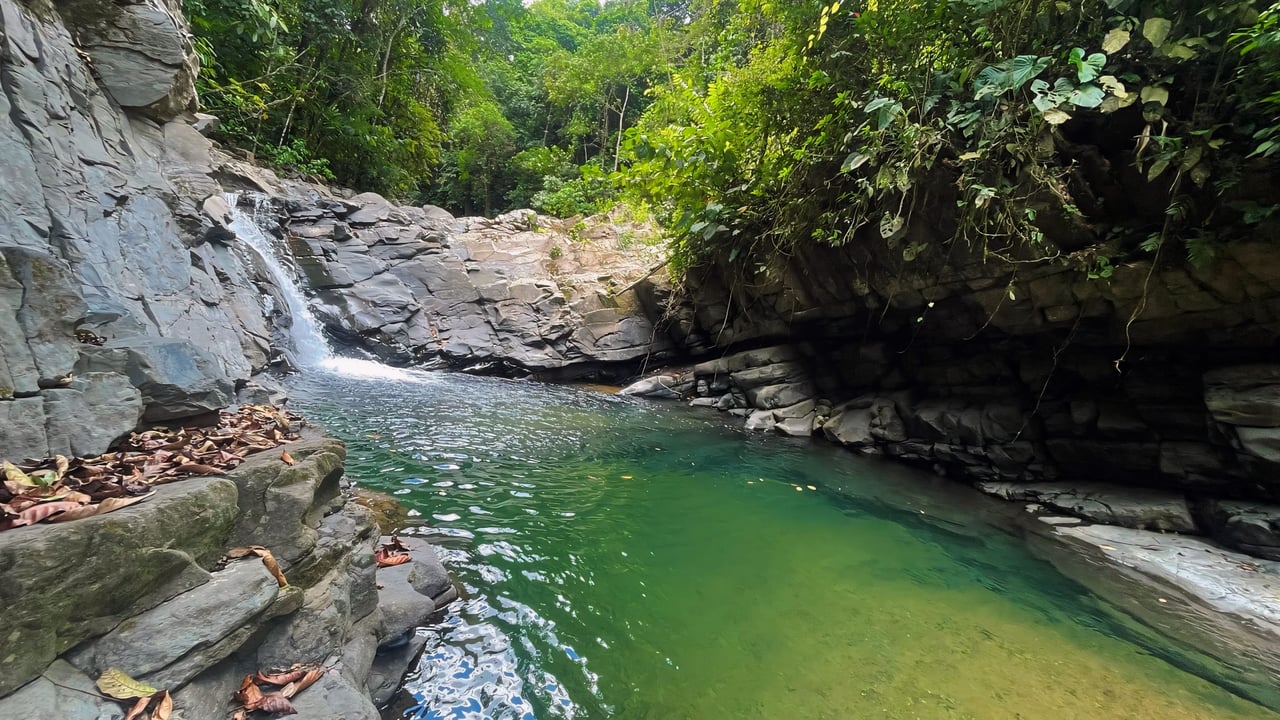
(386, 57)
(622, 122)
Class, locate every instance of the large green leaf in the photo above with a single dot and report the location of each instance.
(1088, 96)
(1009, 75)
(1156, 30)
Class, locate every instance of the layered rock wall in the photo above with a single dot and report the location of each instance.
(111, 230)
(517, 294)
(147, 590)
(1162, 378)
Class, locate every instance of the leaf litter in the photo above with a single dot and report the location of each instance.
(140, 698)
(60, 489)
(292, 681)
(392, 552)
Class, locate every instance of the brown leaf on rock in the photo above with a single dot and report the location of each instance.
(43, 511)
(76, 513)
(116, 684)
(198, 469)
(115, 503)
(268, 560)
(277, 704)
(287, 458)
(249, 694)
(138, 708)
(146, 459)
(387, 558)
(302, 683)
(165, 709)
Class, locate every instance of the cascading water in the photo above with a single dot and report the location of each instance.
(309, 346)
(309, 349)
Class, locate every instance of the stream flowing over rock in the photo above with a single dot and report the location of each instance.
(516, 294)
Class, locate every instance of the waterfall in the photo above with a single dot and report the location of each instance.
(309, 346)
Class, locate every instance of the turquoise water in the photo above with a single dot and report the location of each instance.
(631, 559)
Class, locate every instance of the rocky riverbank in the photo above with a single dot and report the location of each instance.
(994, 441)
(149, 590)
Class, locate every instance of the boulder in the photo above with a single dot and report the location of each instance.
(659, 386)
(796, 426)
(181, 638)
(281, 506)
(64, 688)
(389, 668)
(341, 591)
(206, 124)
(851, 426)
(761, 420)
(410, 592)
(1262, 442)
(91, 413)
(1251, 527)
(55, 603)
(142, 52)
(177, 379)
(770, 397)
(773, 374)
(1245, 395)
(22, 429)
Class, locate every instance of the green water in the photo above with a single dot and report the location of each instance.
(628, 559)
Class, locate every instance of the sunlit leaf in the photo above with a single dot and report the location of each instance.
(1156, 30)
(115, 683)
(1115, 41)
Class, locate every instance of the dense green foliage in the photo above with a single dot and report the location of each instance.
(479, 107)
(1032, 129)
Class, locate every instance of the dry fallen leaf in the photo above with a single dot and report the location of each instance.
(165, 708)
(249, 694)
(302, 683)
(287, 458)
(138, 708)
(14, 475)
(278, 704)
(146, 459)
(43, 511)
(267, 559)
(386, 558)
(115, 683)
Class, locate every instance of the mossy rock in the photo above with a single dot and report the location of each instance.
(67, 583)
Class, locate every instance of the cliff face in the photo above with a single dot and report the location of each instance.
(517, 294)
(110, 227)
(1162, 378)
